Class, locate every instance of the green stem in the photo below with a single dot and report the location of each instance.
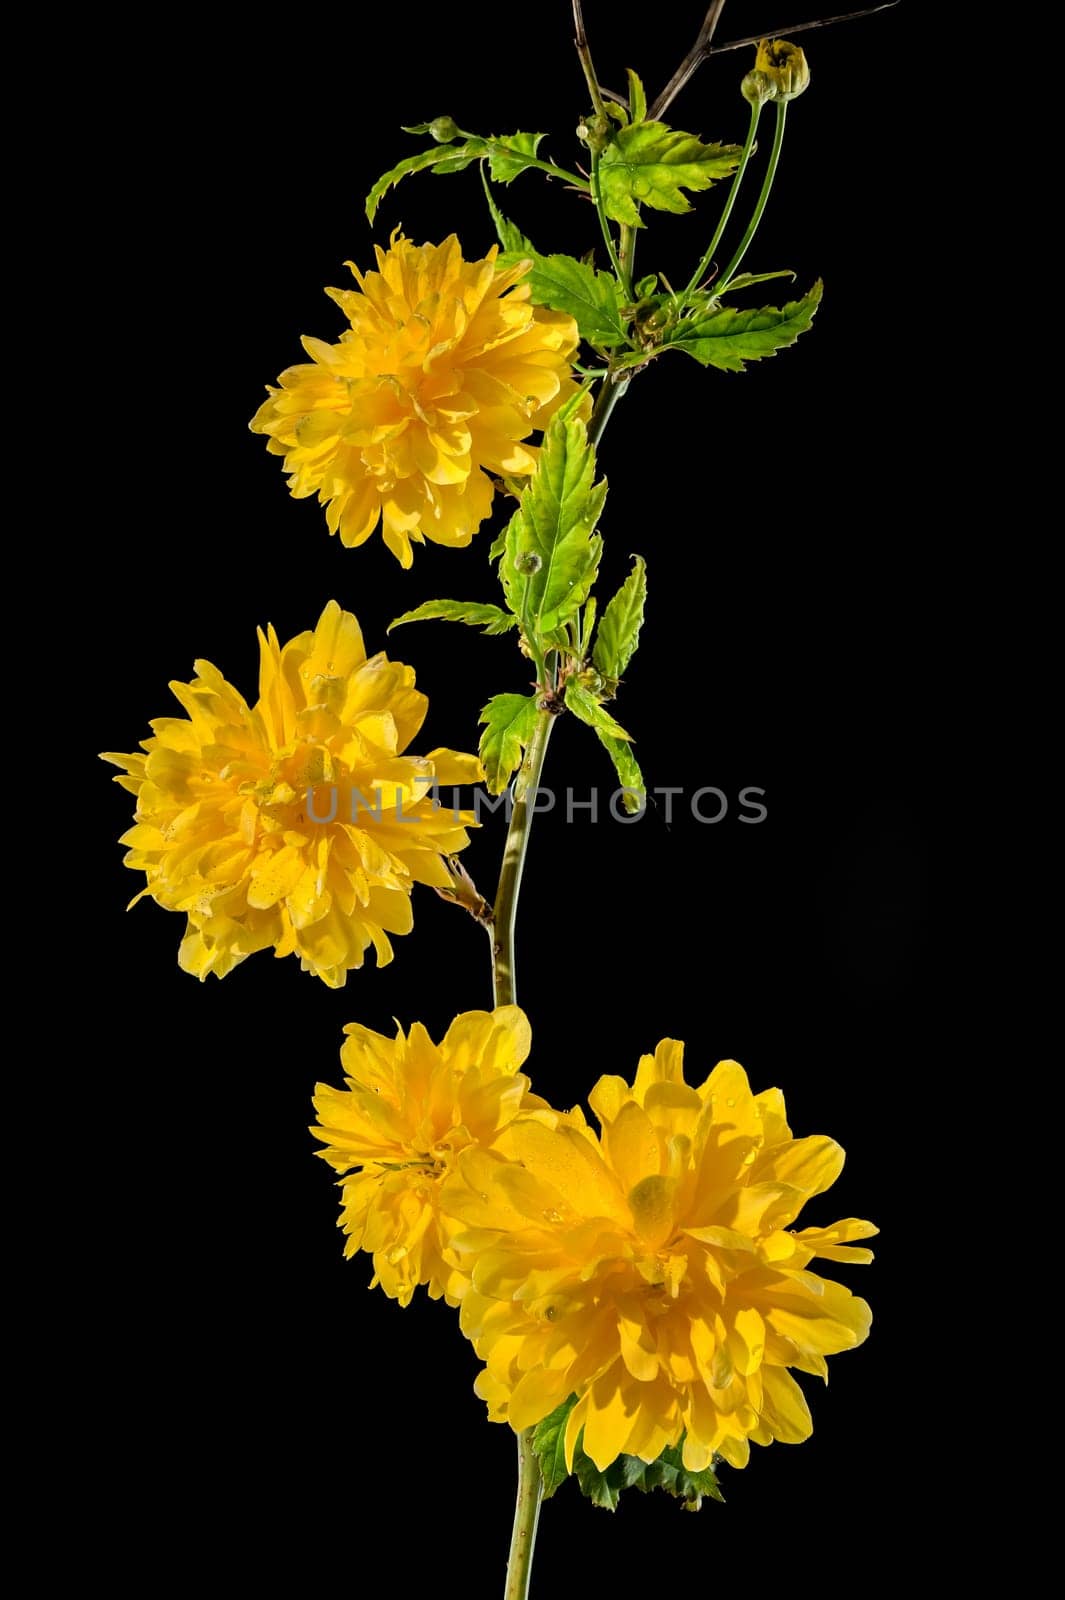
(611, 247)
(752, 227)
(603, 410)
(737, 178)
(504, 915)
(627, 254)
(506, 906)
(526, 1516)
(555, 172)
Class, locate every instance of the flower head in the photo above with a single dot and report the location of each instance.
(409, 1109)
(653, 1271)
(445, 369)
(780, 72)
(298, 822)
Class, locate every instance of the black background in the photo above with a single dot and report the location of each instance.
(271, 1416)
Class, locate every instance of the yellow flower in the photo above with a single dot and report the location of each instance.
(298, 822)
(780, 72)
(445, 370)
(410, 1107)
(652, 1271)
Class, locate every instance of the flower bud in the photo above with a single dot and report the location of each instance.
(443, 130)
(780, 73)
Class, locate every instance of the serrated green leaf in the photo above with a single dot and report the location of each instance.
(512, 240)
(637, 97)
(730, 337)
(586, 707)
(499, 543)
(509, 720)
(456, 163)
(551, 551)
(601, 1488)
(744, 280)
(591, 298)
(649, 164)
(444, 157)
(425, 158)
(619, 631)
(549, 1443)
(493, 619)
(627, 768)
(509, 155)
(669, 1473)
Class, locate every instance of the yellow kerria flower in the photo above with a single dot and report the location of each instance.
(299, 822)
(652, 1270)
(409, 1109)
(445, 370)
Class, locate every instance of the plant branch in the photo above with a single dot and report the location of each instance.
(692, 61)
(737, 179)
(526, 1516)
(752, 227)
(506, 906)
(585, 54)
(801, 27)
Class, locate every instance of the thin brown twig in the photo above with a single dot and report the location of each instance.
(585, 54)
(692, 61)
(801, 27)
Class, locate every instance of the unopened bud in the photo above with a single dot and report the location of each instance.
(780, 73)
(443, 130)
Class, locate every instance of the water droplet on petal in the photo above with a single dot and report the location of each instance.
(551, 1215)
(731, 1101)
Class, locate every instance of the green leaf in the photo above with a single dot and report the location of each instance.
(601, 1488)
(629, 775)
(426, 158)
(591, 298)
(509, 155)
(669, 1473)
(509, 719)
(744, 280)
(551, 551)
(650, 164)
(513, 241)
(586, 707)
(549, 1443)
(493, 619)
(499, 544)
(637, 97)
(619, 631)
(729, 337)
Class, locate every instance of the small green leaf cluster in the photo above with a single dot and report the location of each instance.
(604, 1489)
(548, 561)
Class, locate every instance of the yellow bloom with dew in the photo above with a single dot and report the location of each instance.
(296, 823)
(653, 1270)
(445, 370)
(410, 1108)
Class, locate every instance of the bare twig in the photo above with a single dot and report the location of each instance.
(692, 61)
(585, 54)
(801, 27)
